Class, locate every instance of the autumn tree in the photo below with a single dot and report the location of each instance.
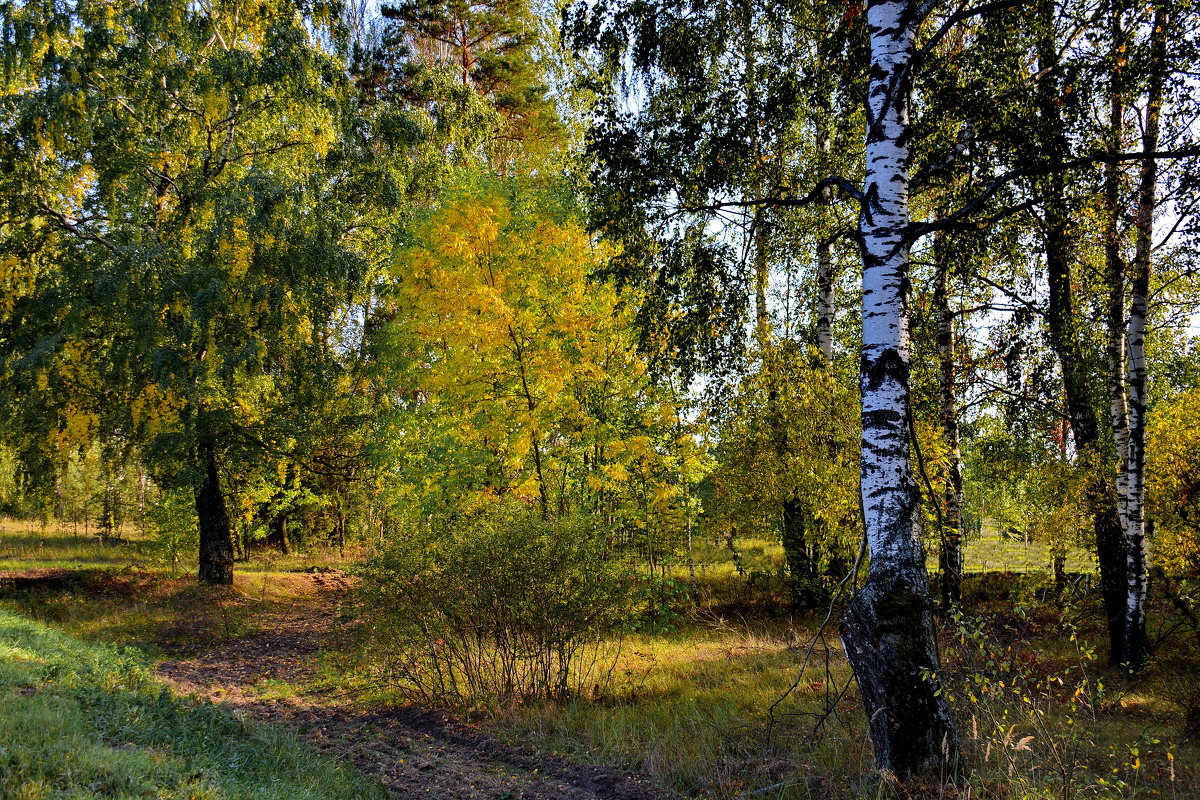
(511, 376)
(177, 176)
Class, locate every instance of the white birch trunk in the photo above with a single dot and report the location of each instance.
(888, 629)
(1135, 532)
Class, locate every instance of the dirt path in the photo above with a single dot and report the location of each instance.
(415, 753)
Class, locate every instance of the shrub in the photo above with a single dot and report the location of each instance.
(172, 517)
(497, 607)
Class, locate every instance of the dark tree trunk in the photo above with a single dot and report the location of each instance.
(801, 561)
(278, 535)
(216, 535)
(950, 561)
(1063, 324)
(1101, 493)
(889, 639)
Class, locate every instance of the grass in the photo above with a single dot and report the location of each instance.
(25, 544)
(1039, 715)
(690, 704)
(87, 721)
(122, 591)
(691, 711)
(159, 613)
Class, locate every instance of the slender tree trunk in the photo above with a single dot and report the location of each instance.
(1115, 266)
(142, 484)
(278, 537)
(888, 628)
(1063, 324)
(826, 289)
(762, 262)
(531, 406)
(826, 300)
(216, 536)
(950, 561)
(762, 314)
(1085, 429)
(801, 563)
(1136, 567)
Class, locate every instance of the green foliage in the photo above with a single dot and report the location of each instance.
(172, 517)
(497, 606)
(1173, 480)
(1034, 719)
(87, 721)
(189, 213)
(10, 479)
(791, 435)
(737, 103)
(1025, 488)
(488, 48)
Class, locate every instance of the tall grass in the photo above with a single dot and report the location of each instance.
(691, 710)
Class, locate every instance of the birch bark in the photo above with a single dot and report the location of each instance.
(826, 301)
(1135, 469)
(888, 628)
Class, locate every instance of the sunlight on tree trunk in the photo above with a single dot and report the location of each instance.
(888, 628)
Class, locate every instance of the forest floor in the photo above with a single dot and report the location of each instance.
(272, 675)
(696, 704)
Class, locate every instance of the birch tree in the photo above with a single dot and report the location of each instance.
(1134, 468)
(888, 628)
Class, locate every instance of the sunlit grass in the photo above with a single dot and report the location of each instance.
(691, 709)
(24, 544)
(689, 704)
(161, 613)
(86, 721)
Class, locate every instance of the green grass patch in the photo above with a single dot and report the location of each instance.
(86, 721)
(27, 544)
(156, 612)
(28, 547)
(1039, 714)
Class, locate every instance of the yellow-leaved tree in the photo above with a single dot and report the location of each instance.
(1173, 484)
(514, 376)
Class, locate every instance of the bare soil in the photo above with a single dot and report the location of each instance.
(415, 753)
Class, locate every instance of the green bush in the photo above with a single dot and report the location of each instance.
(498, 607)
(173, 518)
